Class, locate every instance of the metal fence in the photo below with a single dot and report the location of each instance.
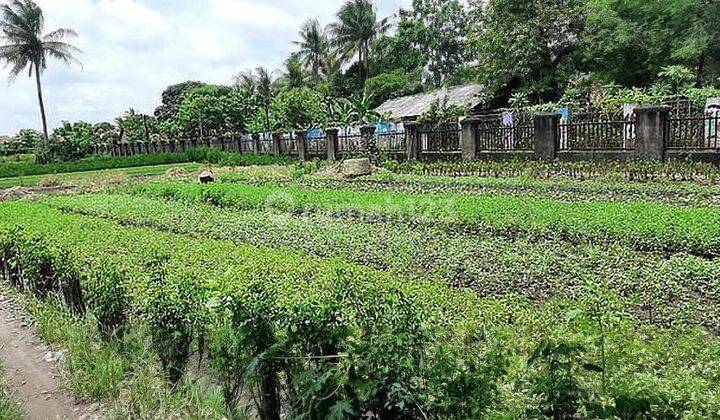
(391, 142)
(442, 139)
(693, 132)
(316, 145)
(350, 143)
(597, 131)
(505, 132)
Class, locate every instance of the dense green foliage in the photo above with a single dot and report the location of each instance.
(212, 109)
(391, 85)
(25, 142)
(172, 98)
(354, 339)
(641, 225)
(560, 188)
(490, 266)
(296, 109)
(73, 141)
(26, 168)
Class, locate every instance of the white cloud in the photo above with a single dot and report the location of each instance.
(133, 49)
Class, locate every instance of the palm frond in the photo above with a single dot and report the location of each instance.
(59, 34)
(21, 27)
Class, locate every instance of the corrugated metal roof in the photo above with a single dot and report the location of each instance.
(416, 105)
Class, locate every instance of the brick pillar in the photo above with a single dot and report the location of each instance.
(301, 145)
(468, 139)
(277, 139)
(546, 131)
(256, 143)
(332, 144)
(412, 141)
(652, 125)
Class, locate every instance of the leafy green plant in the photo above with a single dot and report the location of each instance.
(557, 383)
(441, 114)
(173, 309)
(212, 110)
(108, 299)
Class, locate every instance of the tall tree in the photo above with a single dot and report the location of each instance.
(259, 86)
(524, 45)
(437, 29)
(293, 75)
(357, 28)
(313, 47)
(629, 42)
(25, 46)
(172, 97)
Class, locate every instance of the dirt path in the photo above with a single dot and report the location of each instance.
(30, 368)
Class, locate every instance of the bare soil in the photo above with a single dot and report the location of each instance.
(16, 193)
(32, 373)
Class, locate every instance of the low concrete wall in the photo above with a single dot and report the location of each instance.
(595, 155)
(706, 156)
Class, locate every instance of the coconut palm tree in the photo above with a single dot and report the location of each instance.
(314, 46)
(293, 74)
(259, 84)
(356, 29)
(24, 45)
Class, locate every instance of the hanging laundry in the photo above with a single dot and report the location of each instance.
(508, 121)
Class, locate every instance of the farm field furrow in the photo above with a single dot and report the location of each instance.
(489, 265)
(640, 225)
(294, 286)
(686, 194)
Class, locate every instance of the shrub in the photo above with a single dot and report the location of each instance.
(173, 308)
(298, 109)
(392, 85)
(213, 109)
(108, 299)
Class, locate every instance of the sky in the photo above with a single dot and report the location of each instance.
(133, 49)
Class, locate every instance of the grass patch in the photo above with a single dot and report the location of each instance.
(28, 168)
(95, 177)
(122, 372)
(10, 407)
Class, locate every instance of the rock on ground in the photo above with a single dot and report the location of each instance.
(357, 167)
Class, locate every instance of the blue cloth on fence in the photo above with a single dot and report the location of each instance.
(508, 119)
(564, 114)
(315, 132)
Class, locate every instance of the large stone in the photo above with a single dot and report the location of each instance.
(356, 167)
(206, 177)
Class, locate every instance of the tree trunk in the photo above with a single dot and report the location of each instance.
(700, 70)
(267, 117)
(366, 47)
(46, 138)
(360, 62)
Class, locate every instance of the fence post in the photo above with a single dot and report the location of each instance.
(301, 145)
(468, 138)
(277, 138)
(412, 144)
(367, 132)
(256, 143)
(546, 130)
(331, 137)
(652, 127)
